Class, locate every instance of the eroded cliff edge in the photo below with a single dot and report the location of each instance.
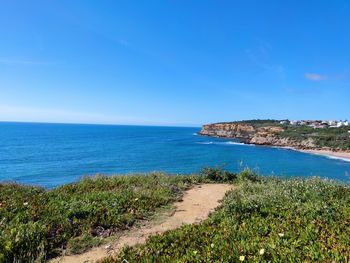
(267, 135)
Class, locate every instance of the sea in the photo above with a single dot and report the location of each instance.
(50, 155)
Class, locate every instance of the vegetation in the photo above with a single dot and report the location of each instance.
(328, 137)
(261, 220)
(36, 224)
(334, 138)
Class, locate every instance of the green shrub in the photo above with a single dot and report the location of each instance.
(36, 224)
(217, 175)
(247, 175)
(265, 220)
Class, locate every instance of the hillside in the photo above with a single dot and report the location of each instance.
(278, 133)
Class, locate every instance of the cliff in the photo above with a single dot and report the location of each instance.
(266, 135)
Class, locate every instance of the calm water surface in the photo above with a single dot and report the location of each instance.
(54, 154)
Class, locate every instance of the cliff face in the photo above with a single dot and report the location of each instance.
(267, 135)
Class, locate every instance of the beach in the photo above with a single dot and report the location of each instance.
(331, 154)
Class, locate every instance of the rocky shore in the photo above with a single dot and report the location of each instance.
(268, 136)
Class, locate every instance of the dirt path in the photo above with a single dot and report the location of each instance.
(196, 205)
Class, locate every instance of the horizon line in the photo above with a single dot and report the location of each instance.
(106, 124)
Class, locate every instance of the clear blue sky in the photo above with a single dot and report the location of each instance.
(173, 62)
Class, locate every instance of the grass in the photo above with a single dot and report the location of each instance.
(37, 224)
(262, 220)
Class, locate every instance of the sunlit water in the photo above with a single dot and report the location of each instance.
(54, 154)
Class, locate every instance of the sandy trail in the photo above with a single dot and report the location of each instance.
(195, 206)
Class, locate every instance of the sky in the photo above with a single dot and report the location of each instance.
(179, 62)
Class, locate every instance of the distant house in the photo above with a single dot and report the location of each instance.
(284, 122)
(346, 123)
(340, 124)
(294, 122)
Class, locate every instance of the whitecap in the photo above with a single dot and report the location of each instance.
(238, 143)
(334, 157)
(204, 142)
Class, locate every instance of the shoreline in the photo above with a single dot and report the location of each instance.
(345, 156)
(340, 155)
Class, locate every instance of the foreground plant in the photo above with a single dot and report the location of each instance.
(262, 220)
(37, 224)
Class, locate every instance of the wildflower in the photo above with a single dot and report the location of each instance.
(241, 258)
(136, 199)
(25, 203)
(212, 245)
(281, 234)
(195, 252)
(262, 251)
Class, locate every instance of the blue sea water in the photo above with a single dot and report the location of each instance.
(53, 154)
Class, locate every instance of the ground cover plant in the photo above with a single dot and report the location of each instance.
(36, 224)
(261, 220)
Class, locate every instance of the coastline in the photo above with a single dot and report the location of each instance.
(345, 156)
(340, 155)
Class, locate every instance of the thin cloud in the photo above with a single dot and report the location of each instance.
(53, 115)
(315, 76)
(260, 57)
(23, 62)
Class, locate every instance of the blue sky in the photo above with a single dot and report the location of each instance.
(173, 62)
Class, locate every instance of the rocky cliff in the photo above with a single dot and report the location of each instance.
(266, 135)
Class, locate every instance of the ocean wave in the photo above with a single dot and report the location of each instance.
(334, 157)
(205, 142)
(226, 143)
(237, 143)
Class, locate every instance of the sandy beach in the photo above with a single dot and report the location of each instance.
(331, 154)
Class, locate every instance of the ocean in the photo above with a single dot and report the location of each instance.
(50, 155)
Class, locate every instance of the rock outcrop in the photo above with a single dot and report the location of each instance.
(266, 135)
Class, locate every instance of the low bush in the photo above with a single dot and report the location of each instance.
(217, 175)
(36, 224)
(265, 220)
